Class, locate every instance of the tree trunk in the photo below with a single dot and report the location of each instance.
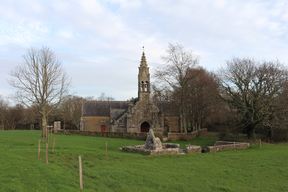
(181, 124)
(44, 123)
(184, 123)
(251, 132)
(270, 133)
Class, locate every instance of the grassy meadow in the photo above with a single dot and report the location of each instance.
(252, 169)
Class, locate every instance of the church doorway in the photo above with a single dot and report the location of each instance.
(145, 127)
(103, 128)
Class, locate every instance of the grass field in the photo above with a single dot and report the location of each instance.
(252, 169)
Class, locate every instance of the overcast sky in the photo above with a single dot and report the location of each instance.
(100, 42)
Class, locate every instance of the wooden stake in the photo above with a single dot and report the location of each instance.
(234, 147)
(106, 150)
(48, 133)
(260, 144)
(53, 145)
(80, 173)
(47, 153)
(51, 135)
(39, 147)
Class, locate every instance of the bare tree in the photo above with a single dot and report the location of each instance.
(3, 111)
(104, 97)
(175, 76)
(14, 116)
(251, 88)
(71, 109)
(160, 93)
(203, 95)
(40, 81)
(29, 116)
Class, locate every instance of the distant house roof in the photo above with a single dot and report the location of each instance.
(102, 108)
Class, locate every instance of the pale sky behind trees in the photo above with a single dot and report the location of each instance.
(100, 42)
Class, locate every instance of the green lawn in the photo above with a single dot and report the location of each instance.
(252, 169)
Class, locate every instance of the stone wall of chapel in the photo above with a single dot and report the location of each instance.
(174, 125)
(93, 123)
(121, 125)
(141, 112)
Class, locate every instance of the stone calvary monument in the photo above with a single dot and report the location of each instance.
(153, 146)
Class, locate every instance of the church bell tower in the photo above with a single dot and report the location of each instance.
(143, 80)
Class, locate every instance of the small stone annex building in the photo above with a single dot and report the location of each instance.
(137, 115)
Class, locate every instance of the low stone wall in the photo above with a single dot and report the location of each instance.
(165, 151)
(138, 136)
(186, 136)
(182, 136)
(137, 149)
(170, 145)
(224, 145)
(141, 149)
(202, 131)
(192, 149)
(128, 135)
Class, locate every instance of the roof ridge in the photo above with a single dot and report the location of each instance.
(106, 101)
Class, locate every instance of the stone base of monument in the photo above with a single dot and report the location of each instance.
(153, 146)
(167, 148)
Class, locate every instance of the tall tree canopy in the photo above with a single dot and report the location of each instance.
(40, 81)
(252, 88)
(174, 76)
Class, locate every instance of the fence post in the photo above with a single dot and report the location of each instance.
(80, 172)
(51, 134)
(53, 145)
(260, 144)
(234, 146)
(47, 153)
(39, 147)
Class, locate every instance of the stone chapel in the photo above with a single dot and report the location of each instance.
(136, 115)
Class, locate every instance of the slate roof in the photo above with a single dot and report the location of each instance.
(118, 108)
(117, 113)
(168, 108)
(102, 108)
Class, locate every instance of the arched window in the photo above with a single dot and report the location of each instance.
(142, 86)
(146, 85)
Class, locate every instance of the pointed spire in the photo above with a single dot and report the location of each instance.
(143, 59)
